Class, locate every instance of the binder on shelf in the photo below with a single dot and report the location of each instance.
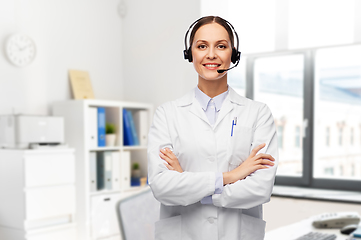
(116, 181)
(93, 171)
(141, 124)
(93, 127)
(108, 170)
(100, 171)
(125, 169)
(127, 132)
(132, 128)
(101, 127)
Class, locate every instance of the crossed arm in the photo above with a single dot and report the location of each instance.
(173, 189)
(253, 163)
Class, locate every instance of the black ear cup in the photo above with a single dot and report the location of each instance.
(235, 55)
(188, 54)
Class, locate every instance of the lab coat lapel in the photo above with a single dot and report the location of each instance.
(232, 100)
(195, 108)
(226, 108)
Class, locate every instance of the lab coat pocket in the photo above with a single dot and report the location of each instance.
(252, 228)
(168, 228)
(239, 146)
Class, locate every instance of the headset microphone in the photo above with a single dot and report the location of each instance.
(223, 70)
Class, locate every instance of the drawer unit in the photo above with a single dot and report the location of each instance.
(49, 169)
(66, 232)
(39, 203)
(38, 194)
(104, 217)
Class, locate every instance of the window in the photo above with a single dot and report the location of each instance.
(341, 170)
(297, 137)
(329, 171)
(315, 99)
(340, 135)
(237, 77)
(280, 136)
(337, 103)
(327, 136)
(278, 81)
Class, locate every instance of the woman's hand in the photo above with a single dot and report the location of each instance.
(173, 164)
(253, 163)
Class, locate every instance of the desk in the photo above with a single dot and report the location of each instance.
(293, 231)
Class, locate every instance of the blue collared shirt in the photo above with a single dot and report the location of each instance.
(211, 107)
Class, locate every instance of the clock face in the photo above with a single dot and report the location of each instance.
(20, 49)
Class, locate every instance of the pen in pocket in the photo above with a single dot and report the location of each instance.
(234, 123)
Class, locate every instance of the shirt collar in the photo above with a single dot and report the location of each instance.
(204, 99)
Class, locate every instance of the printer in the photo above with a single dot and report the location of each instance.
(26, 131)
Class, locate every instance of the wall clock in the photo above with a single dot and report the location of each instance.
(20, 49)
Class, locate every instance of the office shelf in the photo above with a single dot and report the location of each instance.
(96, 208)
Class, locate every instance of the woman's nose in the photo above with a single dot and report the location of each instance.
(211, 53)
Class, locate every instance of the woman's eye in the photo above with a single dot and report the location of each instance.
(202, 46)
(222, 46)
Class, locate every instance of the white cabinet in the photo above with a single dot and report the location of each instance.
(96, 206)
(37, 199)
(104, 219)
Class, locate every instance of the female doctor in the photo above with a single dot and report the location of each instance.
(212, 154)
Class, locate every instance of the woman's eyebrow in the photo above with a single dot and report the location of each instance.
(223, 40)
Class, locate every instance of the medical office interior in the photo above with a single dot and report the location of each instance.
(302, 58)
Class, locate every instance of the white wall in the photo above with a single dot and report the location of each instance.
(153, 43)
(81, 34)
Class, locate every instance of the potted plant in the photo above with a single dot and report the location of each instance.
(110, 136)
(136, 170)
(135, 177)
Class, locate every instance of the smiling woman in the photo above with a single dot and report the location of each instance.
(212, 154)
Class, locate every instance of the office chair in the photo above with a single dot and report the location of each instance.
(137, 216)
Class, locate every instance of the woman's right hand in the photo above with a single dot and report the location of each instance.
(253, 163)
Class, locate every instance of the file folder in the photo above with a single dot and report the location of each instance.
(127, 132)
(101, 127)
(93, 171)
(142, 126)
(93, 127)
(108, 170)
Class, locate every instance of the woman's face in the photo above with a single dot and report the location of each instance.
(211, 50)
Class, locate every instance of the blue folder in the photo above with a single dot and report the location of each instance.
(101, 127)
(132, 128)
(127, 131)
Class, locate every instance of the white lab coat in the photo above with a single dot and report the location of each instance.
(203, 150)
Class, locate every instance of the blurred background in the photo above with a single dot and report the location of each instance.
(301, 57)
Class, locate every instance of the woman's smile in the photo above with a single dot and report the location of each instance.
(211, 66)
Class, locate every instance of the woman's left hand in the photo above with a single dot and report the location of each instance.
(173, 164)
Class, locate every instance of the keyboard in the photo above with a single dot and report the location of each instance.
(317, 236)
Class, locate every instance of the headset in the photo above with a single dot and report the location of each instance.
(236, 55)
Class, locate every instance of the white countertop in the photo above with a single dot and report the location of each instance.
(317, 194)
